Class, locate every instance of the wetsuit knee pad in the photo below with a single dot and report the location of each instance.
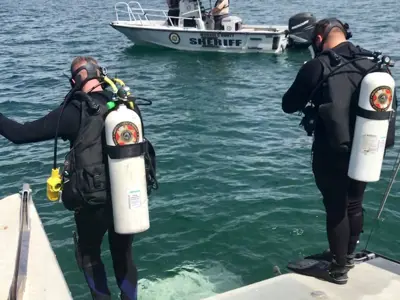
(89, 264)
(334, 217)
(357, 220)
(88, 258)
(355, 208)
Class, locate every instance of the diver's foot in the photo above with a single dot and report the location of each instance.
(350, 259)
(338, 273)
(328, 256)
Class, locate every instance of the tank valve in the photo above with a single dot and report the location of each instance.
(123, 93)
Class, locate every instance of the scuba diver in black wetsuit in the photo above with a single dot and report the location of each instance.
(327, 90)
(86, 188)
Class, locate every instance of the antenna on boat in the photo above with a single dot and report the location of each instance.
(396, 168)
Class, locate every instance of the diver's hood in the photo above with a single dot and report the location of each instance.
(345, 49)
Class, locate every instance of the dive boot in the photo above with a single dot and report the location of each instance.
(338, 273)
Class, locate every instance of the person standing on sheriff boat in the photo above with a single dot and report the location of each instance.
(219, 12)
(173, 12)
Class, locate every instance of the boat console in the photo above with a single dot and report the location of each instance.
(232, 23)
(190, 14)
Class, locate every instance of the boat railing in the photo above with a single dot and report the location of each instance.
(136, 12)
(21, 263)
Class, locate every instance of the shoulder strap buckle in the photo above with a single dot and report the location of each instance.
(335, 58)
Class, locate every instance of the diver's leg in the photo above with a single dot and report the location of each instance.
(91, 228)
(124, 267)
(355, 213)
(332, 181)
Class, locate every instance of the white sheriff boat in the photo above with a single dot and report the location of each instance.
(193, 30)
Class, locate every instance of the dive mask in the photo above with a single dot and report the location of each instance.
(333, 22)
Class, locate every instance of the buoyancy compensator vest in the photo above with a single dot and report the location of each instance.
(334, 116)
(85, 174)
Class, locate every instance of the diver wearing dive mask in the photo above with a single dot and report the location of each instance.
(326, 90)
(80, 120)
(321, 32)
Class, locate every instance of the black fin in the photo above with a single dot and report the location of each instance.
(315, 268)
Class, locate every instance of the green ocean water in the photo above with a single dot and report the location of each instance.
(237, 195)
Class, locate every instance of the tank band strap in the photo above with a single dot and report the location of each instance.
(374, 115)
(127, 151)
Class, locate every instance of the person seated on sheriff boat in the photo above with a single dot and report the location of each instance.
(173, 12)
(220, 11)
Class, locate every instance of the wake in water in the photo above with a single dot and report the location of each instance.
(189, 282)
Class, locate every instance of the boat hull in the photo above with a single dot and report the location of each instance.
(205, 40)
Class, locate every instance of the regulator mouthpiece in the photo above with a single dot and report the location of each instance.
(54, 185)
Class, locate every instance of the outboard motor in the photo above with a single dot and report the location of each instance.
(301, 27)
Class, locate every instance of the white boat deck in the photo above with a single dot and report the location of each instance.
(374, 279)
(44, 278)
(378, 279)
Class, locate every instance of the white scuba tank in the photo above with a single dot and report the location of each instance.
(127, 175)
(371, 127)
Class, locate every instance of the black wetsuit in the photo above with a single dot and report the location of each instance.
(91, 223)
(342, 196)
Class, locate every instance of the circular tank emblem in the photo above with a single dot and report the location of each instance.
(125, 133)
(381, 98)
(174, 38)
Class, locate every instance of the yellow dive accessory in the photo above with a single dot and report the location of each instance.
(54, 185)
